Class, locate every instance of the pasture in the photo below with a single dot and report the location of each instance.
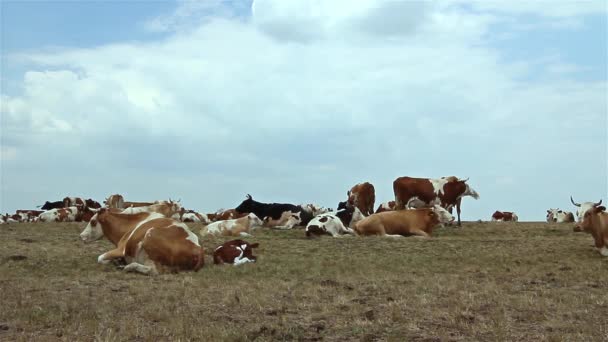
(484, 282)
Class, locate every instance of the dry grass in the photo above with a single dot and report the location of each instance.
(483, 282)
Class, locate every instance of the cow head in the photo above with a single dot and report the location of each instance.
(247, 205)
(586, 222)
(582, 208)
(93, 231)
(254, 221)
(442, 215)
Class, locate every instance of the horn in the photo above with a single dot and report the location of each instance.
(466, 179)
(598, 203)
(179, 200)
(576, 204)
(248, 196)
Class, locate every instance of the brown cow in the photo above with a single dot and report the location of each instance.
(236, 252)
(595, 222)
(362, 196)
(421, 192)
(149, 242)
(419, 222)
(504, 216)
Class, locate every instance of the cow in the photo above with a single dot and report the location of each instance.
(314, 209)
(336, 224)
(29, 215)
(362, 196)
(235, 227)
(73, 201)
(504, 216)
(272, 210)
(167, 208)
(225, 214)
(595, 221)
(236, 252)
(386, 206)
(92, 204)
(149, 242)
(193, 216)
(398, 223)
(51, 205)
(70, 214)
(559, 216)
(420, 192)
(114, 201)
(287, 220)
(583, 207)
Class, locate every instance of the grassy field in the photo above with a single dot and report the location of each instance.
(483, 282)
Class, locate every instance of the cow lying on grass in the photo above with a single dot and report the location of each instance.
(236, 252)
(419, 222)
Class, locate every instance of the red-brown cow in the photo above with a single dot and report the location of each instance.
(504, 216)
(362, 196)
(595, 222)
(422, 192)
(236, 252)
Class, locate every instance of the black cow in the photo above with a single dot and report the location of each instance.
(273, 210)
(52, 205)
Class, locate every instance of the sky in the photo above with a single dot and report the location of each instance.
(297, 101)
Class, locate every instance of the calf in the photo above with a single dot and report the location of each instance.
(236, 252)
(235, 227)
(419, 222)
(559, 216)
(595, 222)
(504, 216)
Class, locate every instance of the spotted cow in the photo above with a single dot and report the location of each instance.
(236, 252)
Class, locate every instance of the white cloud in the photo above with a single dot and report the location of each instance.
(299, 103)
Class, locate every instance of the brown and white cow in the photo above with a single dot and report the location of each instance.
(288, 220)
(595, 222)
(70, 214)
(149, 242)
(225, 214)
(29, 215)
(336, 225)
(235, 227)
(73, 202)
(167, 208)
(398, 223)
(504, 216)
(362, 196)
(583, 208)
(236, 252)
(559, 216)
(386, 206)
(423, 192)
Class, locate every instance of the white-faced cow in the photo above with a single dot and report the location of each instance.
(386, 206)
(422, 192)
(505, 216)
(595, 221)
(235, 227)
(559, 216)
(362, 196)
(398, 223)
(583, 207)
(272, 210)
(236, 252)
(149, 242)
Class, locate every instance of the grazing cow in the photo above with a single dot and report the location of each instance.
(386, 206)
(398, 223)
(236, 252)
(504, 216)
(73, 202)
(149, 242)
(419, 192)
(92, 204)
(167, 208)
(115, 201)
(52, 205)
(272, 210)
(287, 220)
(559, 216)
(595, 222)
(225, 214)
(70, 214)
(362, 196)
(235, 227)
(583, 207)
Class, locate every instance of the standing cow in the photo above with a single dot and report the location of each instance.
(423, 192)
(362, 196)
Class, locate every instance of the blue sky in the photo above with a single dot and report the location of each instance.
(298, 101)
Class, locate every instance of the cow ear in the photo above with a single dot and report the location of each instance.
(254, 245)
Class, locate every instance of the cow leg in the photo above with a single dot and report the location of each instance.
(393, 235)
(603, 251)
(420, 234)
(244, 234)
(112, 255)
(139, 268)
(458, 211)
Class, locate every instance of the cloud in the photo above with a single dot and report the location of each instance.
(299, 103)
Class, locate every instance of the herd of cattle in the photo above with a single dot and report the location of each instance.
(152, 237)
